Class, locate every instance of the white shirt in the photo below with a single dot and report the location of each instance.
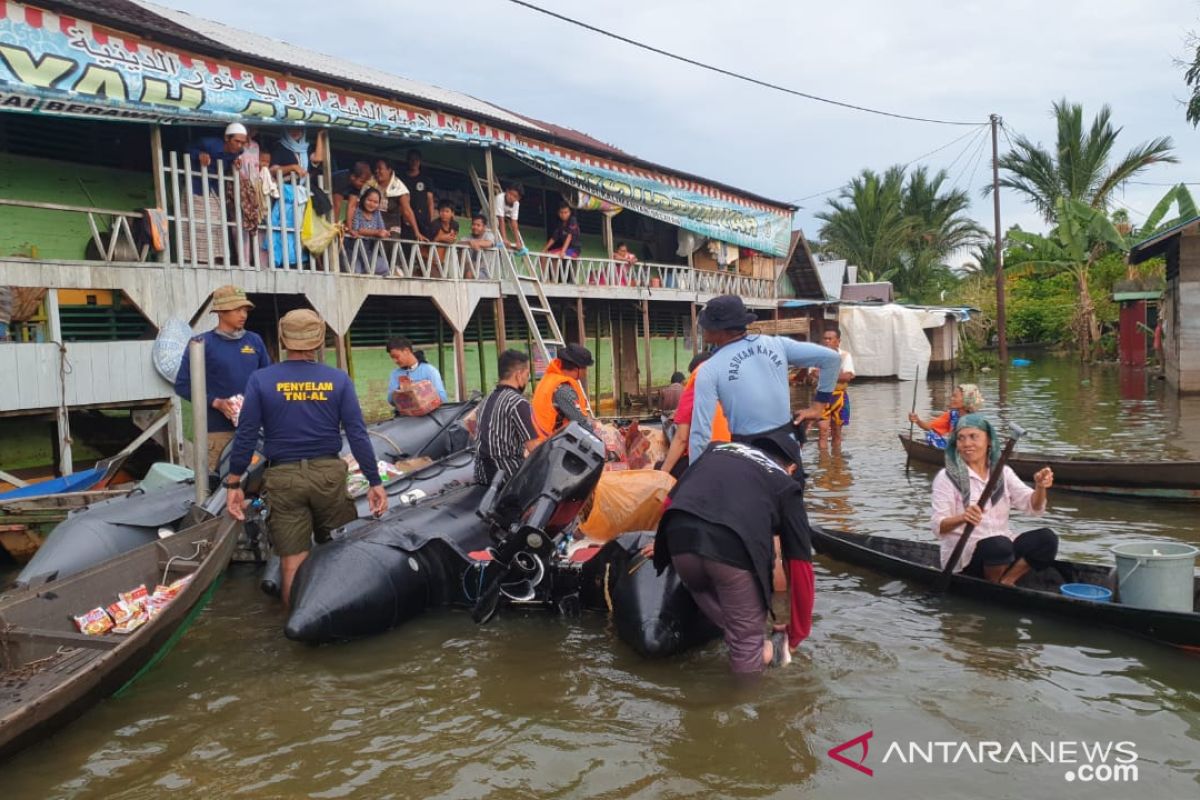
(948, 502)
(395, 188)
(847, 360)
(504, 210)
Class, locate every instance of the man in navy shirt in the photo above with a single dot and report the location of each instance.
(301, 406)
(231, 353)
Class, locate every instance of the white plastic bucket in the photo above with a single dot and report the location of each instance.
(1158, 575)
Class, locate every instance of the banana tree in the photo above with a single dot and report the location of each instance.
(1082, 235)
(1185, 206)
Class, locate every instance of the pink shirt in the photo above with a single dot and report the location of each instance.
(948, 502)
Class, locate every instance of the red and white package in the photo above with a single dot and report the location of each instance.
(94, 622)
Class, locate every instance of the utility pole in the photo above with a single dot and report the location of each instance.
(1000, 316)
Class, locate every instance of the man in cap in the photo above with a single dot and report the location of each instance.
(718, 534)
(559, 398)
(231, 354)
(301, 406)
(748, 375)
(208, 210)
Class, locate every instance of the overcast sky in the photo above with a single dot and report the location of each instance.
(961, 61)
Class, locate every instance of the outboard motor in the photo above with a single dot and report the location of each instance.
(531, 513)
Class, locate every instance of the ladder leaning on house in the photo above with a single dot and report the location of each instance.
(528, 285)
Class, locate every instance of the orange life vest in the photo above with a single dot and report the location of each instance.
(720, 425)
(546, 418)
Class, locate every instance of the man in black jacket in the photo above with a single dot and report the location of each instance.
(718, 533)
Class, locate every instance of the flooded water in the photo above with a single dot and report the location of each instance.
(551, 708)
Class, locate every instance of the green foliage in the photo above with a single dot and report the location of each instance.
(901, 228)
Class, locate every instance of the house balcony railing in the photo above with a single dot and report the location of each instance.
(200, 226)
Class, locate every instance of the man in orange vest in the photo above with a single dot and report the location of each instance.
(559, 398)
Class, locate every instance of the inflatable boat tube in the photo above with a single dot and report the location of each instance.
(654, 614)
(106, 529)
(429, 482)
(377, 574)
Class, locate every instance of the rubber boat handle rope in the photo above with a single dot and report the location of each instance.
(989, 488)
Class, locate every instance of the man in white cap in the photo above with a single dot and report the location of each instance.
(231, 353)
(205, 153)
(301, 405)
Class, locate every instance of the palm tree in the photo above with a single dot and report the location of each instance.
(865, 224)
(939, 227)
(1080, 166)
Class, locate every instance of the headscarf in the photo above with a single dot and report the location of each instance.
(297, 146)
(956, 468)
(972, 397)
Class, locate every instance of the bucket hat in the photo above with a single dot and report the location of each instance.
(726, 312)
(302, 329)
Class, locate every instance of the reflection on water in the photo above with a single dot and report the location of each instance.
(542, 707)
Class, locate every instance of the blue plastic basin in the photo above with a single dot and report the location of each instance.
(1086, 591)
(1021, 362)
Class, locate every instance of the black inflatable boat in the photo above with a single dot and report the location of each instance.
(491, 548)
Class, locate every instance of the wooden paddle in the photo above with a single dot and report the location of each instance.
(996, 475)
(916, 378)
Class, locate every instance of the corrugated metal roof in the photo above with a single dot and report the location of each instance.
(264, 47)
(138, 16)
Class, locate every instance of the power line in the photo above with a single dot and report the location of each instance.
(731, 73)
(906, 164)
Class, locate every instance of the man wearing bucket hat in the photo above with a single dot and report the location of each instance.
(748, 375)
(231, 354)
(993, 551)
(718, 534)
(301, 406)
(559, 398)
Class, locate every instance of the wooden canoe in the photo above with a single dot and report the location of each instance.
(921, 562)
(26, 521)
(50, 673)
(1166, 480)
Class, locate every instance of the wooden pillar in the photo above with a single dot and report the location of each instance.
(326, 152)
(596, 384)
(483, 382)
(62, 415)
(579, 322)
(339, 346)
(608, 234)
(492, 191)
(441, 344)
(349, 356)
(695, 330)
(160, 184)
(501, 334)
(460, 365)
(648, 350)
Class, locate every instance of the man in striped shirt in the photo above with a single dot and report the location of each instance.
(506, 431)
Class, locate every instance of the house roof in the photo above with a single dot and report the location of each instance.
(215, 38)
(802, 269)
(1159, 243)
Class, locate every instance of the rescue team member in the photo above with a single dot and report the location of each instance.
(677, 455)
(301, 405)
(718, 534)
(748, 375)
(559, 398)
(506, 431)
(408, 365)
(231, 353)
(837, 414)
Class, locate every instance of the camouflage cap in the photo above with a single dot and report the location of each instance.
(302, 329)
(228, 298)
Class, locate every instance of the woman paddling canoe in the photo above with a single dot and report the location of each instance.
(965, 399)
(993, 551)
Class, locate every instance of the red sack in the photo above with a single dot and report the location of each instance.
(416, 398)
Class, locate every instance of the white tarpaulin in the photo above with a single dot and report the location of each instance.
(888, 340)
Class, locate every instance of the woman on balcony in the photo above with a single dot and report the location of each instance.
(368, 224)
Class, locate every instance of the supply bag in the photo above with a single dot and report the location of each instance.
(626, 501)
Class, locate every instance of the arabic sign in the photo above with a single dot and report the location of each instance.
(55, 64)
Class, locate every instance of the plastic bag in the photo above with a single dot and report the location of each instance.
(626, 501)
